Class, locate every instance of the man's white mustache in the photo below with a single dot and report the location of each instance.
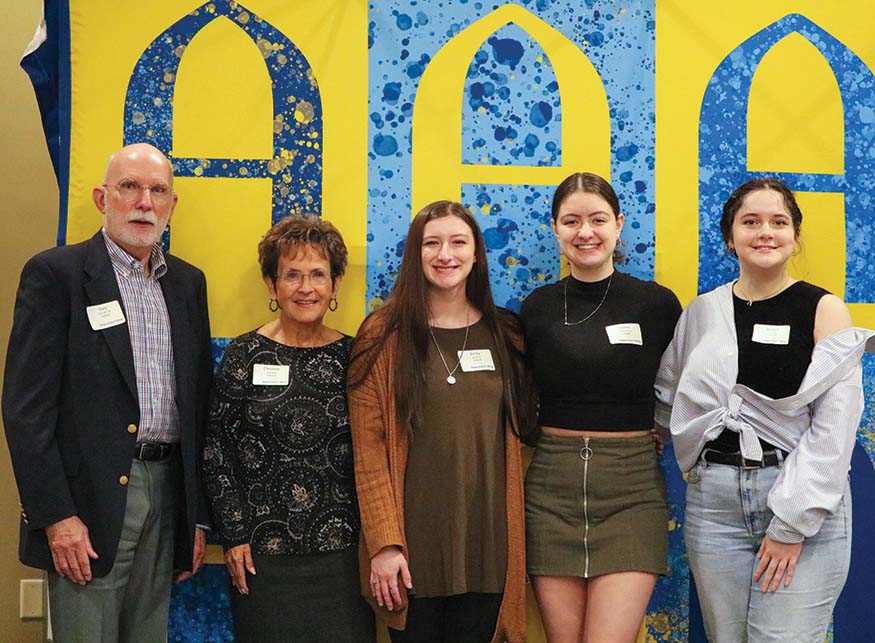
(143, 216)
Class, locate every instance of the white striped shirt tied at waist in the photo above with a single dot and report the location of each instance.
(697, 397)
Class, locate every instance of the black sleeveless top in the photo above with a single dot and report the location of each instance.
(773, 369)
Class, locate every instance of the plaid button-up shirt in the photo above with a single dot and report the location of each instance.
(149, 329)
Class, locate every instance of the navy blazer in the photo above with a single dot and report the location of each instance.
(70, 398)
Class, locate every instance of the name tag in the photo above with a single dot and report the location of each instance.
(106, 315)
(270, 374)
(768, 334)
(624, 334)
(476, 360)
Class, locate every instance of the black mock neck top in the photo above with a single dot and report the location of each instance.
(596, 375)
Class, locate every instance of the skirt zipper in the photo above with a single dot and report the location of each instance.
(586, 454)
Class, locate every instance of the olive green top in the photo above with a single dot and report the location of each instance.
(454, 493)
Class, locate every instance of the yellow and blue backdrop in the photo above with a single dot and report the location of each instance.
(364, 112)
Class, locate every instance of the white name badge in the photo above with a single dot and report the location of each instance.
(768, 334)
(476, 360)
(106, 315)
(624, 334)
(270, 374)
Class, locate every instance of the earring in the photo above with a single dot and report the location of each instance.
(273, 305)
(332, 303)
(796, 249)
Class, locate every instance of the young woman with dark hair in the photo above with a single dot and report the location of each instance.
(763, 382)
(437, 400)
(596, 510)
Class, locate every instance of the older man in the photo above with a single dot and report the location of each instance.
(106, 389)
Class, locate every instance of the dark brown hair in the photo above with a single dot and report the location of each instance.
(295, 233)
(591, 184)
(735, 200)
(584, 182)
(406, 315)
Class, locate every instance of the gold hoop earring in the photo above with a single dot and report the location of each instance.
(332, 303)
(273, 305)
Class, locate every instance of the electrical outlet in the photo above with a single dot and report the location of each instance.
(31, 598)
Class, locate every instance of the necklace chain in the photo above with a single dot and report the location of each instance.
(750, 300)
(595, 310)
(450, 377)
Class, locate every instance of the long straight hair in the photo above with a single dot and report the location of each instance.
(406, 314)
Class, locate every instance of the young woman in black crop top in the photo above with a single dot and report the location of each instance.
(768, 515)
(596, 511)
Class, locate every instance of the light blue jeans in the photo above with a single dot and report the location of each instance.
(726, 520)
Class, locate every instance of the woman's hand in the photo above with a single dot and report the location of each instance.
(658, 442)
(386, 566)
(239, 561)
(777, 561)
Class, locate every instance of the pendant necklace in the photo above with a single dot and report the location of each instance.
(595, 310)
(750, 300)
(450, 378)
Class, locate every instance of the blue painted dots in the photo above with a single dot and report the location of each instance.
(510, 105)
(531, 144)
(506, 51)
(541, 114)
(498, 237)
(595, 38)
(627, 152)
(385, 145)
(391, 93)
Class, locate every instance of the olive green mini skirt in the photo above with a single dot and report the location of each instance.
(595, 506)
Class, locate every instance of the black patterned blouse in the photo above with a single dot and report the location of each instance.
(278, 463)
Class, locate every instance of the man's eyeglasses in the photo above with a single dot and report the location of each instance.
(131, 191)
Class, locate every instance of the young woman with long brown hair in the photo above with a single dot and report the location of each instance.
(437, 400)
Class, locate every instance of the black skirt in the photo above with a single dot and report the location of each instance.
(305, 599)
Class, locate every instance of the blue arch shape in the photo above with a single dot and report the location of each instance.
(723, 152)
(508, 85)
(296, 166)
(512, 109)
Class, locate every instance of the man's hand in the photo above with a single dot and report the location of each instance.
(71, 549)
(200, 548)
